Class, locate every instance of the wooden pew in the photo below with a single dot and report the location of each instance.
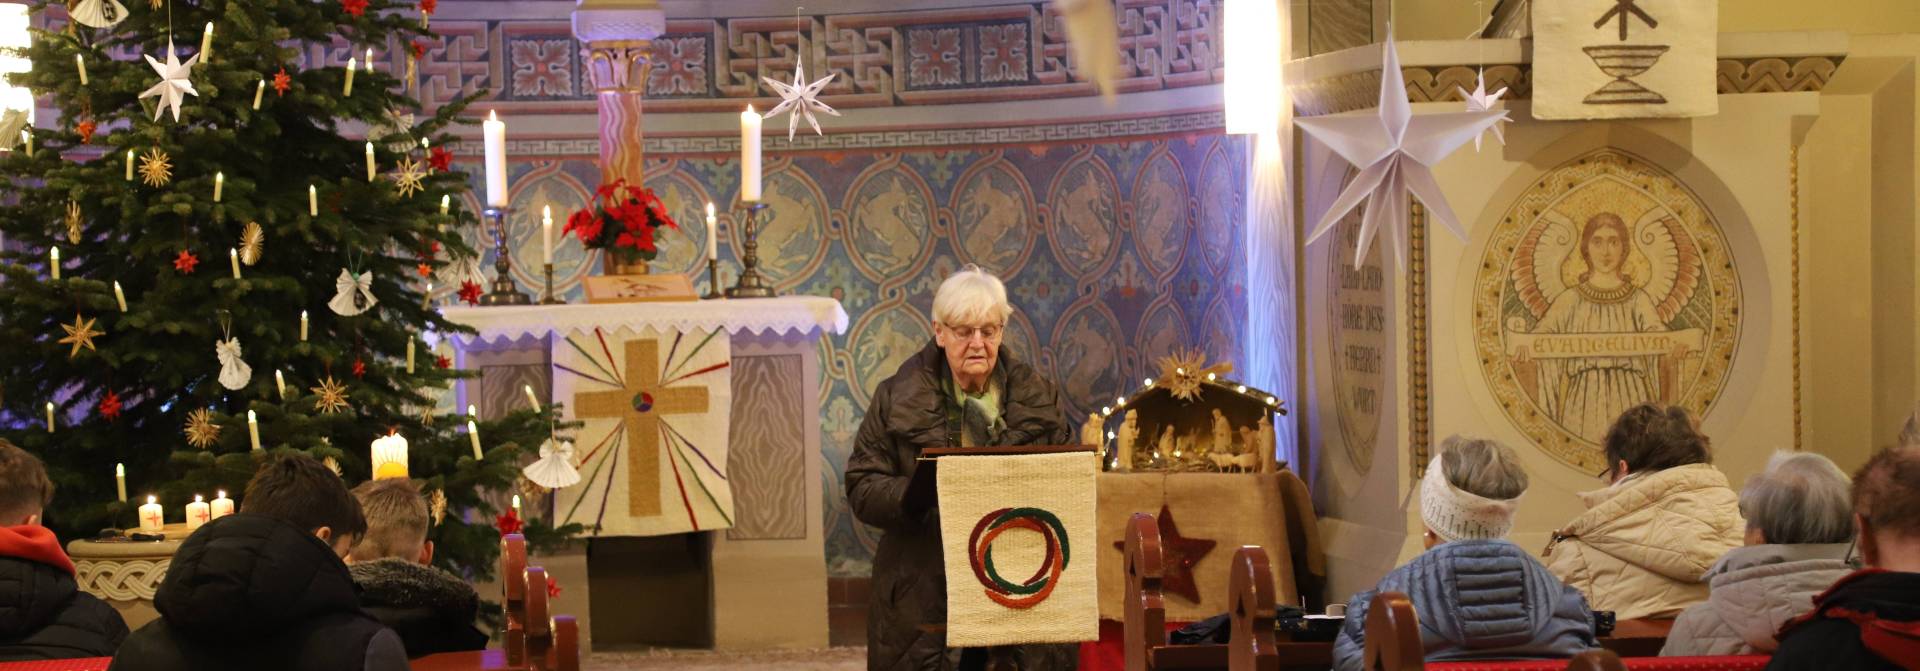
(513, 566)
(1251, 615)
(534, 638)
(1393, 642)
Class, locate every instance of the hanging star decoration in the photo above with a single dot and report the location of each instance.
(800, 98)
(442, 362)
(201, 431)
(185, 262)
(437, 504)
(173, 82)
(425, 269)
(73, 222)
(440, 159)
(1179, 554)
(409, 177)
(156, 168)
(332, 396)
(86, 129)
(470, 292)
(1395, 152)
(80, 334)
(354, 7)
(1182, 372)
(1481, 101)
(281, 82)
(253, 243)
(110, 406)
(359, 368)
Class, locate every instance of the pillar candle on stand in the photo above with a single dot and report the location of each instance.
(198, 513)
(120, 481)
(151, 516)
(222, 506)
(495, 132)
(253, 430)
(749, 156)
(713, 234)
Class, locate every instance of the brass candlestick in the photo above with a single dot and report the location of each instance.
(749, 284)
(713, 280)
(505, 292)
(549, 299)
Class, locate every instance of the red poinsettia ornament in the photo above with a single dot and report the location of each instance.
(110, 406)
(185, 262)
(508, 523)
(470, 292)
(622, 220)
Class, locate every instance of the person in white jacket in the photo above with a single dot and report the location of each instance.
(1799, 529)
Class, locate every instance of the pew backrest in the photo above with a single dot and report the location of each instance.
(1145, 626)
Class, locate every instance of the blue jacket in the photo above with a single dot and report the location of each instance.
(1478, 600)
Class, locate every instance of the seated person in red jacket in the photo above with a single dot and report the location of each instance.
(1869, 619)
(432, 610)
(43, 613)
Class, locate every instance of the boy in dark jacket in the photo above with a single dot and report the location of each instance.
(1871, 618)
(431, 609)
(266, 589)
(43, 613)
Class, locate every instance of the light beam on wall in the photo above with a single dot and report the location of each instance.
(13, 57)
(1253, 86)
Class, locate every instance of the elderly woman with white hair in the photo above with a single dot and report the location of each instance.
(1799, 529)
(964, 389)
(1478, 596)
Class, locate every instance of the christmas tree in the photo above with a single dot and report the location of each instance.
(203, 240)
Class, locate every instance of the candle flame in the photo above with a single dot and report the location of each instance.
(152, 499)
(196, 498)
(222, 494)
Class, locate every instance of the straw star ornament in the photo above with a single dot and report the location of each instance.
(332, 396)
(800, 98)
(80, 334)
(173, 82)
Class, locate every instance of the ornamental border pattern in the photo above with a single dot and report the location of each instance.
(121, 580)
(1443, 83)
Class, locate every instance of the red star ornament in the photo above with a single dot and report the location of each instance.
(442, 362)
(508, 523)
(281, 82)
(1180, 554)
(553, 588)
(86, 129)
(185, 262)
(427, 6)
(470, 292)
(424, 270)
(354, 7)
(110, 406)
(440, 159)
(359, 368)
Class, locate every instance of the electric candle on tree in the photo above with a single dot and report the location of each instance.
(253, 430)
(49, 417)
(233, 257)
(532, 399)
(119, 296)
(120, 481)
(280, 383)
(152, 516)
(206, 44)
(410, 355)
(749, 156)
(351, 64)
(313, 201)
(82, 63)
(495, 132)
(303, 326)
(198, 513)
(473, 431)
(219, 185)
(370, 161)
(129, 165)
(222, 506)
(259, 91)
(445, 202)
(53, 265)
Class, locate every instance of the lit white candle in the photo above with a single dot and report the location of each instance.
(446, 202)
(713, 234)
(369, 60)
(516, 505)
(351, 64)
(426, 299)
(53, 263)
(198, 513)
(119, 296)
(129, 165)
(49, 417)
(409, 355)
(749, 156)
(233, 257)
(425, 144)
(81, 62)
(473, 433)
(313, 201)
(369, 161)
(280, 383)
(151, 516)
(26, 139)
(531, 399)
(219, 185)
(303, 326)
(258, 92)
(120, 480)
(495, 132)
(222, 506)
(546, 234)
(206, 44)
(253, 429)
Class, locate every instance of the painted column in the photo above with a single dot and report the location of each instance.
(618, 35)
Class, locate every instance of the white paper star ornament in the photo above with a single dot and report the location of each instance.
(1481, 101)
(800, 98)
(1394, 151)
(173, 82)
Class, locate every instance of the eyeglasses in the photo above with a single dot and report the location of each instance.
(990, 333)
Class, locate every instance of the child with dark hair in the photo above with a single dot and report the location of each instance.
(43, 613)
(267, 588)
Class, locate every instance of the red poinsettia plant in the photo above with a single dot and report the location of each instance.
(622, 220)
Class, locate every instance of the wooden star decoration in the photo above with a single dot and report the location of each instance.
(332, 396)
(409, 177)
(201, 431)
(1181, 553)
(80, 334)
(73, 222)
(156, 168)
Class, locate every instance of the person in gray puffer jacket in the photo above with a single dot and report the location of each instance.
(1477, 595)
(1799, 529)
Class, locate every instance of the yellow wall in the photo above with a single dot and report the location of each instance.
(1455, 19)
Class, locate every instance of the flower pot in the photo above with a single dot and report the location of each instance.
(612, 265)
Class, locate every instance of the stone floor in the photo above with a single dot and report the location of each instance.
(831, 659)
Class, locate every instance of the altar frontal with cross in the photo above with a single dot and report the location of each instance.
(652, 453)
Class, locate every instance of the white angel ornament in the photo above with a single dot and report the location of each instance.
(353, 294)
(234, 372)
(98, 13)
(555, 468)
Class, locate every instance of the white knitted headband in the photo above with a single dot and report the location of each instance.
(1455, 514)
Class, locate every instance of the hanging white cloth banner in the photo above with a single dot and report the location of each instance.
(1624, 59)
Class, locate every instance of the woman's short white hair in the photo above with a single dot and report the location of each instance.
(971, 297)
(1801, 497)
(1483, 467)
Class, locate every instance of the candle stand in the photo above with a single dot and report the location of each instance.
(749, 284)
(505, 292)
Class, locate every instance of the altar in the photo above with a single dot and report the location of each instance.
(699, 457)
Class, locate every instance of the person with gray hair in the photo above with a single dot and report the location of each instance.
(432, 610)
(1799, 528)
(964, 389)
(1478, 595)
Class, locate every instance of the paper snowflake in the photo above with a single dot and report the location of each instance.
(201, 431)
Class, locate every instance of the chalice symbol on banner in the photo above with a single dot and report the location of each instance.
(1623, 62)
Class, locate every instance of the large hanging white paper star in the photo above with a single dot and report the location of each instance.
(1395, 151)
(1481, 101)
(800, 98)
(173, 82)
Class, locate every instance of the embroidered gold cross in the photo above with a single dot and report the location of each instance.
(642, 406)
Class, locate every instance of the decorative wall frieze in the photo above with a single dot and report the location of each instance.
(1361, 90)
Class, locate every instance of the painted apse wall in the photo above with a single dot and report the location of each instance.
(1118, 230)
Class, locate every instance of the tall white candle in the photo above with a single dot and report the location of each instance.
(348, 90)
(120, 481)
(151, 516)
(49, 417)
(713, 234)
(409, 355)
(531, 399)
(369, 161)
(303, 326)
(219, 185)
(546, 234)
(53, 263)
(446, 202)
(129, 165)
(425, 144)
(206, 44)
(81, 62)
(119, 296)
(233, 257)
(750, 156)
(495, 132)
(198, 513)
(516, 505)
(313, 201)
(253, 429)
(473, 433)
(222, 506)
(258, 91)
(280, 384)
(26, 139)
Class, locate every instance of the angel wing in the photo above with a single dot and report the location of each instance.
(1536, 262)
(98, 13)
(12, 121)
(1674, 262)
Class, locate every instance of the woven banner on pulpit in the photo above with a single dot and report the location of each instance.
(1624, 59)
(1019, 534)
(652, 455)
